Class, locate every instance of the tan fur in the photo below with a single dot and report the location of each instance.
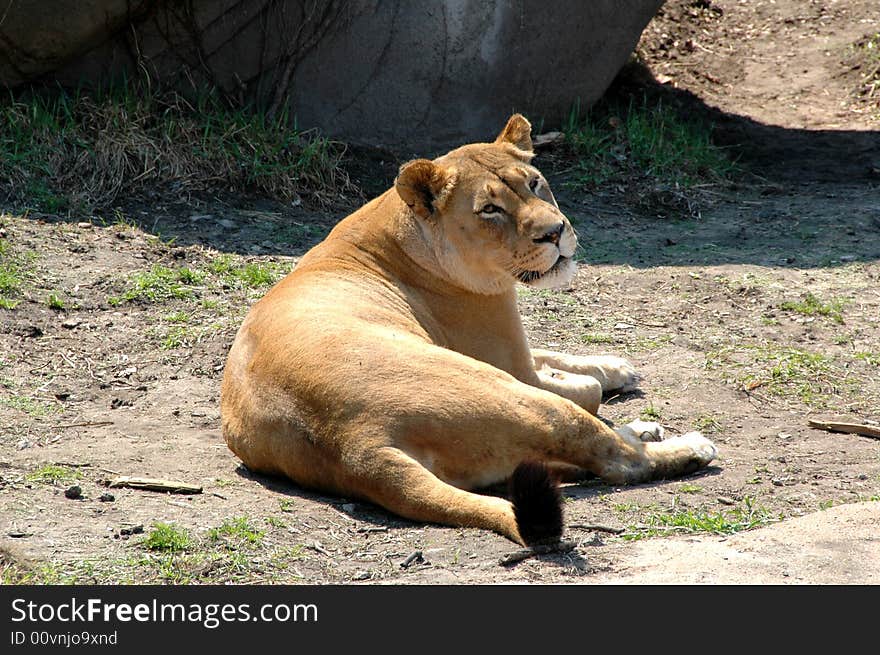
(391, 364)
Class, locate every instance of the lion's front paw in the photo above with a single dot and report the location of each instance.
(621, 376)
(704, 450)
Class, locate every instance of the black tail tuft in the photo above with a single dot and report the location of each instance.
(537, 504)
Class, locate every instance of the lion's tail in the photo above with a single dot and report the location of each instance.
(537, 504)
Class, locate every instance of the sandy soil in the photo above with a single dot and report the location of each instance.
(705, 304)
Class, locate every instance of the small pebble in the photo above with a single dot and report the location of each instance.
(106, 498)
(73, 492)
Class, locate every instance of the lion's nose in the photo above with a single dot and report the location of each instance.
(552, 236)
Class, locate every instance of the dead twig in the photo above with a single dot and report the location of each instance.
(534, 551)
(848, 428)
(86, 424)
(415, 557)
(155, 484)
(597, 528)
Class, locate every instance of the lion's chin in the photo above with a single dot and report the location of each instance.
(558, 275)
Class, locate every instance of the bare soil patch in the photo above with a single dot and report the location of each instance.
(747, 318)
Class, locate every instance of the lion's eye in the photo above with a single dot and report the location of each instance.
(491, 209)
(534, 183)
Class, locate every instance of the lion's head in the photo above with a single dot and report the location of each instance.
(488, 215)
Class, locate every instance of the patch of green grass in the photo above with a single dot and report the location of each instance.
(688, 488)
(252, 274)
(158, 284)
(167, 537)
(189, 276)
(238, 530)
(28, 405)
(259, 275)
(689, 521)
(647, 139)
(53, 474)
(123, 223)
(624, 507)
(812, 306)
(286, 505)
(177, 317)
(782, 372)
(49, 573)
(175, 338)
(707, 424)
(136, 138)
(12, 275)
(872, 359)
(54, 301)
(597, 338)
(275, 522)
(651, 343)
(650, 413)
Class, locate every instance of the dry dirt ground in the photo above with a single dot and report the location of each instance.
(747, 317)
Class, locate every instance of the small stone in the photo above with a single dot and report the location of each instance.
(623, 326)
(106, 498)
(724, 500)
(84, 225)
(73, 492)
(348, 507)
(361, 575)
(70, 323)
(23, 444)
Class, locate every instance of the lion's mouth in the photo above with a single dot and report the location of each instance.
(529, 277)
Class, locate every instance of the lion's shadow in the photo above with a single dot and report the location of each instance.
(372, 518)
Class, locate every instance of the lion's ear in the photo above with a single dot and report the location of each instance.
(423, 185)
(518, 131)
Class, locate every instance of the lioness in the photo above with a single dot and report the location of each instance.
(391, 364)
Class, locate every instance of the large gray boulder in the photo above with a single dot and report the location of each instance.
(426, 72)
(39, 36)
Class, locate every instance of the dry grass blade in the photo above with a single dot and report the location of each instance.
(64, 153)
